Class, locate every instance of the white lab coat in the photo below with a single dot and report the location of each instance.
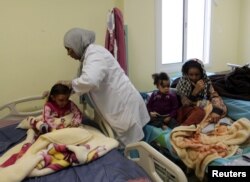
(114, 95)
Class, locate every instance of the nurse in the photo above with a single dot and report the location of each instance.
(102, 78)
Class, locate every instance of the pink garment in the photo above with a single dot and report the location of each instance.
(116, 39)
(51, 111)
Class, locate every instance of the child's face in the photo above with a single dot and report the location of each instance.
(164, 86)
(194, 74)
(61, 100)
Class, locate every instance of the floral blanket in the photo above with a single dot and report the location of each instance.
(53, 151)
(197, 149)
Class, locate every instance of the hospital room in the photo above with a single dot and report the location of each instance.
(157, 36)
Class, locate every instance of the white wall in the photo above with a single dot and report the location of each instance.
(244, 32)
(32, 56)
(225, 31)
(139, 15)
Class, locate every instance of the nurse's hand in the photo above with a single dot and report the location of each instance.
(66, 82)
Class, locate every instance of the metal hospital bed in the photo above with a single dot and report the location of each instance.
(153, 164)
(148, 161)
(237, 109)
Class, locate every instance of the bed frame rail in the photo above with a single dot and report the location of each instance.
(11, 107)
(157, 166)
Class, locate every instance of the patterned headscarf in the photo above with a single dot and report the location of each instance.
(184, 86)
(78, 40)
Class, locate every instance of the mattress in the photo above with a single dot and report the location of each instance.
(237, 108)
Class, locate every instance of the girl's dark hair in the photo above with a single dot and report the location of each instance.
(59, 89)
(159, 77)
(192, 63)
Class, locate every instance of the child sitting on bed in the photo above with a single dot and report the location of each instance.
(58, 105)
(195, 87)
(163, 104)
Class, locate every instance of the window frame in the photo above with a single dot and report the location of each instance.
(176, 67)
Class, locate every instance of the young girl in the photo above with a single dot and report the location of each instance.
(57, 106)
(163, 104)
(194, 86)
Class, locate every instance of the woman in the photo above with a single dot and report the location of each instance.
(103, 79)
(195, 87)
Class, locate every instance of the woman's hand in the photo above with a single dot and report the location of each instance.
(198, 87)
(214, 117)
